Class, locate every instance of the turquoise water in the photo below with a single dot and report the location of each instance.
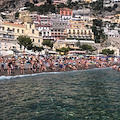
(75, 95)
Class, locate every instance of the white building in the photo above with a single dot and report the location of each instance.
(10, 46)
(112, 33)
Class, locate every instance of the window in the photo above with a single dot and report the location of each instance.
(8, 29)
(40, 33)
(17, 30)
(69, 31)
(30, 26)
(33, 31)
(73, 31)
(33, 40)
(81, 31)
(13, 29)
(3, 28)
(39, 41)
(66, 13)
(22, 31)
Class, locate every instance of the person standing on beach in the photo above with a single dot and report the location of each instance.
(9, 66)
(30, 63)
(2, 64)
(22, 66)
(13, 62)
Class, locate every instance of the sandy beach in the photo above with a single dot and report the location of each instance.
(27, 71)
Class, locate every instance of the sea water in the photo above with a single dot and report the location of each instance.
(74, 95)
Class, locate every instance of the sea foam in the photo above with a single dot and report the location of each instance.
(44, 73)
(26, 75)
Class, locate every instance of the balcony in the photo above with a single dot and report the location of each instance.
(49, 37)
(6, 32)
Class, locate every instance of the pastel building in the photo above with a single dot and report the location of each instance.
(11, 32)
(116, 19)
(79, 30)
(8, 45)
(66, 13)
(51, 27)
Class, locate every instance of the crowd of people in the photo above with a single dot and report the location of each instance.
(54, 63)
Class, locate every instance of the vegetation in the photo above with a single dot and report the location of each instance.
(63, 49)
(35, 48)
(48, 43)
(99, 34)
(49, 7)
(87, 48)
(112, 26)
(49, 2)
(97, 6)
(16, 15)
(3, 16)
(110, 9)
(107, 52)
(25, 41)
(43, 9)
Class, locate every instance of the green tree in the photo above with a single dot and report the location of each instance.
(49, 2)
(36, 48)
(63, 49)
(98, 5)
(28, 4)
(3, 16)
(48, 43)
(25, 41)
(35, 1)
(16, 15)
(99, 34)
(87, 48)
(107, 52)
(69, 2)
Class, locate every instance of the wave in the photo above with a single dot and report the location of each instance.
(44, 73)
(26, 75)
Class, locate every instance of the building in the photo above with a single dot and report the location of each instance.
(66, 13)
(79, 31)
(116, 50)
(71, 43)
(82, 12)
(44, 24)
(88, 1)
(8, 45)
(11, 31)
(51, 27)
(116, 19)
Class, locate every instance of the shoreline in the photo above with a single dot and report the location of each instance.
(16, 72)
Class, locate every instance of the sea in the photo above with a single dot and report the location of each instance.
(92, 94)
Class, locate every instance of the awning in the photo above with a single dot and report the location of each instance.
(52, 52)
(77, 52)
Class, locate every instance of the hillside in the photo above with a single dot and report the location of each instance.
(15, 3)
